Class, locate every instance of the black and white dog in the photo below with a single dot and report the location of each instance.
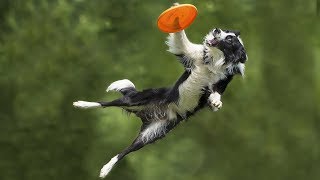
(209, 67)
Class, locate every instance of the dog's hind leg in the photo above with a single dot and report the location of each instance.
(123, 86)
(148, 134)
(136, 145)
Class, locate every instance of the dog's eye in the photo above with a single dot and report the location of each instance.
(228, 38)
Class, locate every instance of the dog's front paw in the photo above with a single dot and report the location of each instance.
(215, 101)
(215, 106)
(85, 104)
(176, 4)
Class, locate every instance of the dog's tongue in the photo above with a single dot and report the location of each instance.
(214, 42)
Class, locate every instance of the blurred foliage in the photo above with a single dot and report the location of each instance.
(53, 52)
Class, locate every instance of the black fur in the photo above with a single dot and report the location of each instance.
(233, 50)
(221, 85)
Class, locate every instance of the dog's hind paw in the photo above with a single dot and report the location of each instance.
(107, 167)
(86, 104)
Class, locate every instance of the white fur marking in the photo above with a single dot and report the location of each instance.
(240, 40)
(215, 101)
(120, 84)
(86, 105)
(107, 167)
(241, 67)
(155, 129)
(223, 34)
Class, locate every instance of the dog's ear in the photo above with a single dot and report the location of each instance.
(237, 56)
(236, 32)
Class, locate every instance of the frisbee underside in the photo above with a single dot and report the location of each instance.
(177, 18)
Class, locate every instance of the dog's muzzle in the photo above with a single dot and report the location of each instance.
(213, 42)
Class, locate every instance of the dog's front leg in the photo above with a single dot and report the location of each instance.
(217, 90)
(179, 44)
(186, 51)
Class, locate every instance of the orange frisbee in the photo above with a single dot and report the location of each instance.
(177, 18)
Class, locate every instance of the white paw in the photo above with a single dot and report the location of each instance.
(216, 105)
(86, 104)
(215, 101)
(107, 167)
(104, 171)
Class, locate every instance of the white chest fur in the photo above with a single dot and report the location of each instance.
(190, 90)
(202, 75)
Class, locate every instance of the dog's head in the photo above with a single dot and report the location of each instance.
(229, 43)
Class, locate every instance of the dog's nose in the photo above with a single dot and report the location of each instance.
(217, 31)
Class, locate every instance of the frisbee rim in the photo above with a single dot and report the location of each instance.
(195, 10)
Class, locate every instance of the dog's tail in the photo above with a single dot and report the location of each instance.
(124, 86)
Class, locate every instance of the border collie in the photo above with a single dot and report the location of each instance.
(209, 67)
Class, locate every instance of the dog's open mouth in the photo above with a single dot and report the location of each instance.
(213, 42)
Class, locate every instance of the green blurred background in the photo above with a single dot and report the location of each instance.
(53, 52)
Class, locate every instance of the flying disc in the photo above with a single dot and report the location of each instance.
(177, 18)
